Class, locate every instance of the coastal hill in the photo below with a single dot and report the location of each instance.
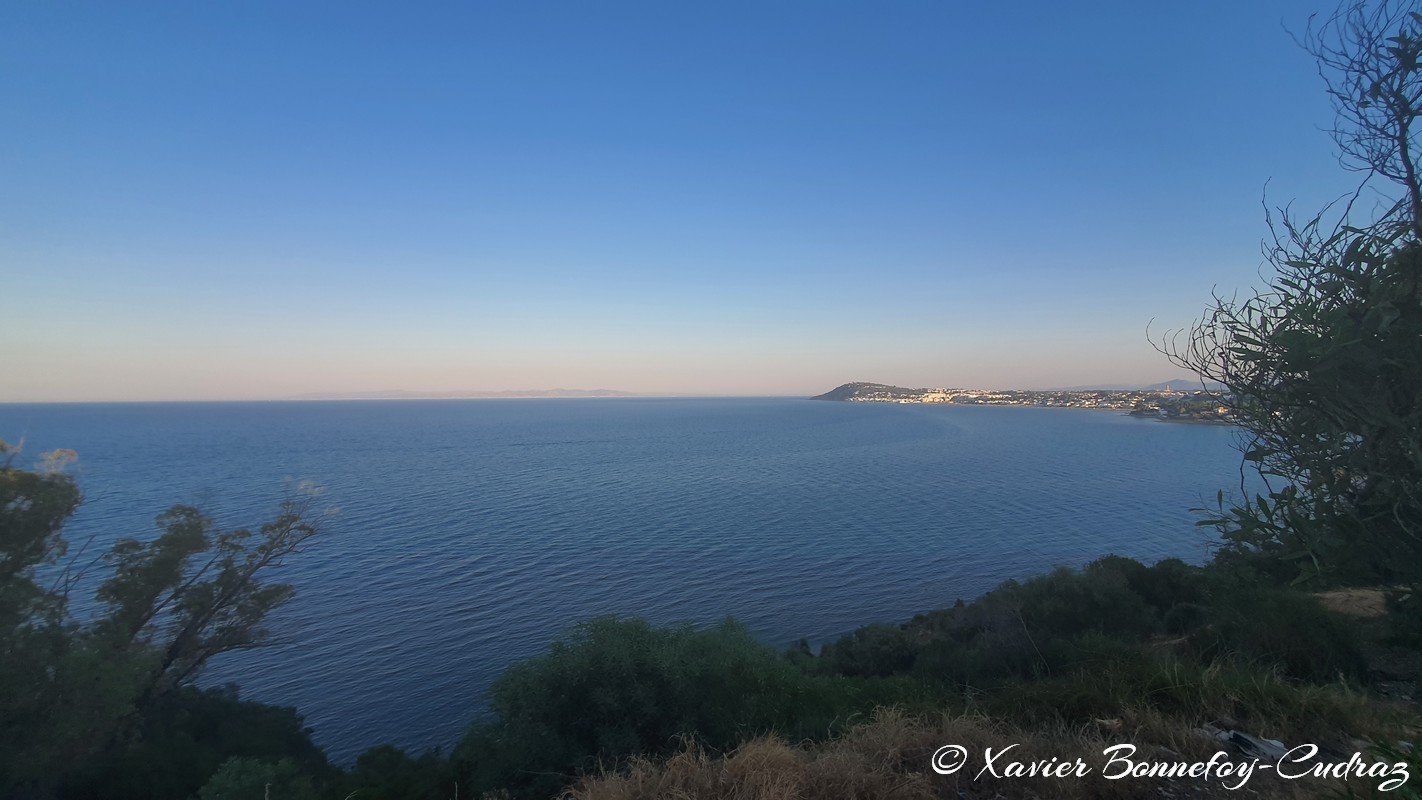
(861, 391)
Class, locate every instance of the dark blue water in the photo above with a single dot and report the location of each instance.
(468, 534)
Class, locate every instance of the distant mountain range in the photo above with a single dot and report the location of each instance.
(401, 394)
(1176, 385)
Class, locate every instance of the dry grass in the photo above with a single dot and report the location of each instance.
(1362, 603)
(889, 757)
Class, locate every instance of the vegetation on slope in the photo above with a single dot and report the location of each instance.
(107, 708)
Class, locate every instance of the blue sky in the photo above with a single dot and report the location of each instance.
(260, 200)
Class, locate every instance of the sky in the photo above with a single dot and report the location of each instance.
(260, 200)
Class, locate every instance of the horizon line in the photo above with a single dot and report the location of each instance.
(550, 394)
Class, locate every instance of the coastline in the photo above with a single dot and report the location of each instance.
(1158, 403)
(1125, 412)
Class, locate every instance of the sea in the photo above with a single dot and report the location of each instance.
(460, 536)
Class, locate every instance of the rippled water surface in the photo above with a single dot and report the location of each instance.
(468, 534)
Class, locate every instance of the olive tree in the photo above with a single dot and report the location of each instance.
(70, 690)
(1322, 369)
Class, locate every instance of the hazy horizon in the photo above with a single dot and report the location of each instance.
(548, 393)
(262, 202)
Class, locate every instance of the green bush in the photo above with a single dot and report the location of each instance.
(1064, 604)
(1186, 617)
(186, 737)
(871, 651)
(619, 687)
(248, 779)
(388, 773)
(983, 643)
(1136, 681)
(1163, 586)
(1031, 628)
(1285, 628)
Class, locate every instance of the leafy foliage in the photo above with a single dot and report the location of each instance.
(1068, 647)
(185, 737)
(871, 651)
(251, 778)
(617, 687)
(1069, 620)
(1287, 629)
(76, 696)
(109, 706)
(1323, 368)
(388, 773)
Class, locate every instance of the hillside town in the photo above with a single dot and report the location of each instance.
(1166, 404)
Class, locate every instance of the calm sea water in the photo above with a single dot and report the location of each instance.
(469, 534)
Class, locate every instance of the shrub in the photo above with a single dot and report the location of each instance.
(1064, 604)
(871, 651)
(186, 737)
(618, 687)
(1166, 584)
(388, 773)
(1185, 617)
(1286, 628)
(241, 778)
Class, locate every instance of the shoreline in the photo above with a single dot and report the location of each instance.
(1125, 412)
